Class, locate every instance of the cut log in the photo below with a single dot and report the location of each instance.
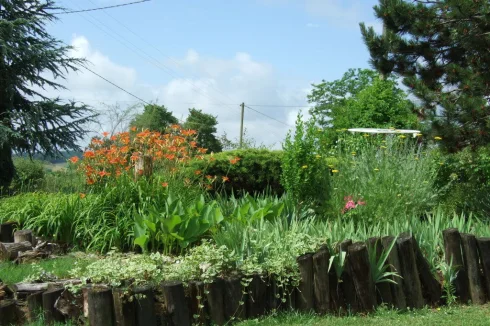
(484, 252)
(337, 302)
(124, 310)
(305, 295)
(472, 265)
(257, 297)
(197, 303)
(29, 256)
(215, 297)
(143, 167)
(290, 296)
(411, 282)
(347, 284)
(321, 280)
(383, 289)
(393, 261)
(431, 288)
(8, 314)
(10, 251)
(361, 275)
(70, 305)
(234, 299)
(7, 231)
(274, 295)
(100, 306)
(145, 306)
(36, 287)
(173, 292)
(34, 306)
(51, 314)
(452, 250)
(22, 236)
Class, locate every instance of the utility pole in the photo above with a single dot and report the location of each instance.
(241, 124)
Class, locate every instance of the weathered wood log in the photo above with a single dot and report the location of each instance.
(305, 297)
(100, 306)
(27, 256)
(347, 284)
(337, 301)
(124, 309)
(7, 231)
(452, 250)
(174, 295)
(10, 251)
(85, 290)
(145, 306)
(408, 267)
(274, 295)
(393, 261)
(472, 265)
(321, 290)
(143, 167)
(431, 288)
(256, 297)
(22, 236)
(8, 314)
(290, 296)
(234, 299)
(383, 289)
(70, 305)
(361, 275)
(215, 296)
(51, 314)
(197, 303)
(34, 306)
(484, 252)
(36, 287)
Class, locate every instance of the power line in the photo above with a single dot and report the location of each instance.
(100, 8)
(268, 116)
(277, 106)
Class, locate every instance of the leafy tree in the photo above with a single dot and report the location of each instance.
(361, 99)
(30, 121)
(248, 142)
(440, 48)
(205, 124)
(155, 118)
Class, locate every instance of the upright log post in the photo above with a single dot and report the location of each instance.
(321, 261)
(143, 167)
(234, 299)
(7, 231)
(347, 284)
(51, 314)
(484, 252)
(8, 315)
(100, 307)
(274, 294)
(215, 297)
(305, 295)
(23, 235)
(174, 295)
(471, 262)
(197, 303)
(34, 306)
(145, 306)
(383, 289)
(398, 296)
(10, 251)
(409, 272)
(452, 250)
(257, 297)
(124, 309)
(430, 286)
(361, 275)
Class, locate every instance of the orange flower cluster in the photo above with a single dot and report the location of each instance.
(112, 156)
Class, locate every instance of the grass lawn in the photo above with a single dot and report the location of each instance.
(457, 315)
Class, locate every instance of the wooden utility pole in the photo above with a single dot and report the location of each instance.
(241, 124)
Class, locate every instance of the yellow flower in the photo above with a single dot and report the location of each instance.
(403, 136)
(376, 169)
(384, 147)
(330, 166)
(399, 195)
(335, 171)
(353, 153)
(419, 134)
(437, 138)
(391, 128)
(318, 156)
(383, 141)
(416, 158)
(304, 166)
(366, 135)
(441, 163)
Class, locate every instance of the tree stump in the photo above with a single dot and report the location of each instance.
(22, 236)
(484, 251)
(145, 306)
(257, 297)
(411, 282)
(51, 314)
(34, 306)
(234, 299)
(174, 295)
(393, 261)
(143, 167)
(305, 295)
(321, 280)
(361, 275)
(10, 251)
(471, 262)
(215, 297)
(100, 307)
(8, 314)
(197, 303)
(383, 289)
(430, 286)
(7, 231)
(452, 249)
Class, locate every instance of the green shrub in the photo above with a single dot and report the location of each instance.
(257, 170)
(29, 174)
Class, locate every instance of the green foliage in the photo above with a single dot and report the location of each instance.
(28, 174)
(396, 178)
(305, 176)
(154, 118)
(449, 274)
(28, 124)
(205, 125)
(449, 75)
(257, 170)
(378, 266)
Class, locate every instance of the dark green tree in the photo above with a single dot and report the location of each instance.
(205, 124)
(31, 122)
(155, 118)
(440, 49)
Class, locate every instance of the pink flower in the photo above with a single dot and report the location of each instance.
(351, 204)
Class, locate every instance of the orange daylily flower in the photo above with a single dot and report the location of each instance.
(225, 179)
(82, 196)
(105, 134)
(164, 184)
(74, 159)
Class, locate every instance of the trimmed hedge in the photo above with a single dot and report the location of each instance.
(257, 170)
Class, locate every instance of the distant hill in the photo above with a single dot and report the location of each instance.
(54, 159)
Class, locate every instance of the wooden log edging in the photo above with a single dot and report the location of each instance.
(408, 268)
(361, 275)
(484, 253)
(471, 262)
(305, 294)
(321, 289)
(100, 306)
(399, 300)
(383, 289)
(453, 254)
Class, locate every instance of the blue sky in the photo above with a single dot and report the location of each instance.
(215, 54)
